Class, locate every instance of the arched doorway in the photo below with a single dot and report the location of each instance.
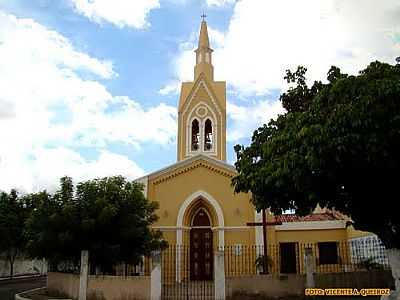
(201, 248)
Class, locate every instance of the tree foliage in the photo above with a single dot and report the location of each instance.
(14, 211)
(110, 217)
(338, 145)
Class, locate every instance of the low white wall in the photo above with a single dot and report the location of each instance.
(119, 288)
(23, 267)
(100, 287)
(255, 286)
(62, 284)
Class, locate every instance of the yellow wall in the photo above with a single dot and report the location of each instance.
(170, 191)
(213, 95)
(171, 187)
(311, 236)
(353, 233)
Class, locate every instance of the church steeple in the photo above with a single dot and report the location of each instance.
(204, 42)
(204, 54)
(202, 108)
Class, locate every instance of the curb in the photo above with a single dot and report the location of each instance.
(21, 297)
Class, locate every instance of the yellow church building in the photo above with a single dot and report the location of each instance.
(197, 204)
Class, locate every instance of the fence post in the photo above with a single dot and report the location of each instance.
(83, 280)
(155, 277)
(219, 275)
(394, 261)
(309, 267)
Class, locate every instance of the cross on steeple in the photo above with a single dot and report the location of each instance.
(203, 16)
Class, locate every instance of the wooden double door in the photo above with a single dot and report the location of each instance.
(201, 248)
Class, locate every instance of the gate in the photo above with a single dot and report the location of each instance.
(177, 281)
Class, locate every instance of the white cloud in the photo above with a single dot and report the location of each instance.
(130, 13)
(265, 38)
(172, 87)
(43, 168)
(45, 102)
(243, 120)
(184, 63)
(219, 2)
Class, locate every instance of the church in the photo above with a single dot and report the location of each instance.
(197, 203)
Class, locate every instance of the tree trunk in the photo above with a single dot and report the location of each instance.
(394, 261)
(11, 268)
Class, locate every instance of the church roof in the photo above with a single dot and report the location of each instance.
(219, 163)
(328, 215)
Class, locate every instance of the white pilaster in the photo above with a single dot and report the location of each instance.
(259, 234)
(310, 267)
(83, 281)
(219, 275)
(155, 277)
(179, 242)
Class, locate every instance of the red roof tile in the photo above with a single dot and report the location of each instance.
(328, 215)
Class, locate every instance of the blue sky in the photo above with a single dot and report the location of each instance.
(90, 88)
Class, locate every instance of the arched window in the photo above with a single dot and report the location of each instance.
(195, 135)
(208, 136)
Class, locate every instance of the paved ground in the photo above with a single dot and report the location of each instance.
(8, 288)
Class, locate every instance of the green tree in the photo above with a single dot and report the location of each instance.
(110, 217)
(44, 228)
(13, 214)
(338, 145)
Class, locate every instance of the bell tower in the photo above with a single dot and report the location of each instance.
(202, 107)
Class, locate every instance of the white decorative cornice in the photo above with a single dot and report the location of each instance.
(201, 82)
(311, 225)
(230, 170)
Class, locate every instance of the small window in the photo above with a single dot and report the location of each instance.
(208, 136)
(195, 135)
(328, 253)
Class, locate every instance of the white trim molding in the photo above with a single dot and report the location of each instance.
(179, 224)
(214, 122)
(214, 203)
(218, 128)
(204, 84)
(312, 225)
(187, 161)
(145, 181)
(225, 228)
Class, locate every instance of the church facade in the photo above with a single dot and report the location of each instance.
(197, 203)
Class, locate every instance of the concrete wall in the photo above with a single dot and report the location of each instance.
(362, 279)
(23, 267)
(118, 288)
(63, 284)
(259, 286)
(269, 286)
(100, 287)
